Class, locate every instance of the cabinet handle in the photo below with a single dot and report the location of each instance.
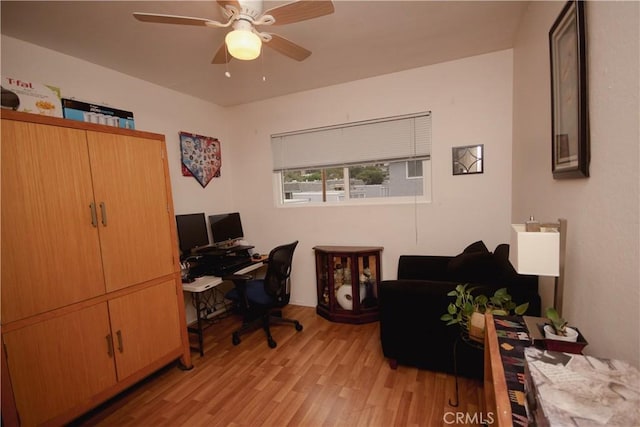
(103, 212)
(94, 215)
(119, 335)
(109, 346)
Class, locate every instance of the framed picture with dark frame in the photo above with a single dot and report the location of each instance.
(569, 103)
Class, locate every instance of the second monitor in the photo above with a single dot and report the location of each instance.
(226, 228)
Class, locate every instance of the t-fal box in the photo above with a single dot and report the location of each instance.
(31, 97)
(93, 113)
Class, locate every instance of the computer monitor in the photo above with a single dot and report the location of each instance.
(192, 232)
(225, 228)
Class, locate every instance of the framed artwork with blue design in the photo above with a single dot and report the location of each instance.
(201, 157)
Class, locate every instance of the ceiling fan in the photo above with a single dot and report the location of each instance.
(245, 41)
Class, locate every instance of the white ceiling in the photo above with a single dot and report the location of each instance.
(361, 39)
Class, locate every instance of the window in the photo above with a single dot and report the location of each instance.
(376, 160)
(414, 169)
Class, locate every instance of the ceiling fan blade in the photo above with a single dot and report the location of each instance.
(300, 11)
(222, 55)
(170, 19)
(234, 3)
(288, 48)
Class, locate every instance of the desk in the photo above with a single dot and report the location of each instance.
(197, 288)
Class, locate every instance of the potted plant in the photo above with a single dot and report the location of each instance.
(558, 329)
(468, 310)
(559, 336)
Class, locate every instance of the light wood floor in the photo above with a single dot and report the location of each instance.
(330, 374)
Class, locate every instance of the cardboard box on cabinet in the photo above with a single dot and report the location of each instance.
(94, 113)
(31, 97)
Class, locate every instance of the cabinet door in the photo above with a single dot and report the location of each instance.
(50, 248)
(60, 363)
(145, 327)
(130, 189)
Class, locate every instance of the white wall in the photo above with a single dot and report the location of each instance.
(471, 101)
(602, 284)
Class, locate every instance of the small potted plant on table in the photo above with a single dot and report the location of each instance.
(468, 310)
(559, 336)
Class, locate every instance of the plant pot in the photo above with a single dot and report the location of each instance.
(558, 344)
(476, 327)
(572, 334)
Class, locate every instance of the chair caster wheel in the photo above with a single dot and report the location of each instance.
(298, 327)
(272, 343)
(235, 339)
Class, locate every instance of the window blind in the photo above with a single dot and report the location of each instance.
(381, 140)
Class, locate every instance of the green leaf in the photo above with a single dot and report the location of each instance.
(521, 309)
(451, 309)
(467, 310)
(501, 292)
(552, 314)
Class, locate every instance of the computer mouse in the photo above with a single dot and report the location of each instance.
(257, 256)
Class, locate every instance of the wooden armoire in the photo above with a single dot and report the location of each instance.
(91, 293)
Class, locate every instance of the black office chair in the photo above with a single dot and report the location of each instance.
(260, 301)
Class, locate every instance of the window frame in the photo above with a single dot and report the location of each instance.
(407, 176)
(424, 198)
(395, 140)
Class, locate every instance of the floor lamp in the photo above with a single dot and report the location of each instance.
(541, 253)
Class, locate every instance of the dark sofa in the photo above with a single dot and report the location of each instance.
(411, 331)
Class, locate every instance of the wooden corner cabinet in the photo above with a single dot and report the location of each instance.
(91, 293)
(347, 282)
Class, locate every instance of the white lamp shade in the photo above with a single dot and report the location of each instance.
(243, 44)
(535, 253)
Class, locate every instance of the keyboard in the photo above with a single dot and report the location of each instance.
(229, 265)
(221, 251)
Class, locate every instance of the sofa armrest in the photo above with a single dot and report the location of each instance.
(411, 331)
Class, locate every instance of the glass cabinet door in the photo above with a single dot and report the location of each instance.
(347, 283)
(368, 280)
(322, 277)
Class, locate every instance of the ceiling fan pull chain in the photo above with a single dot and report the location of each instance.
(226, 64)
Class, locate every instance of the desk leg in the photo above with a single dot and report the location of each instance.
(199, 317)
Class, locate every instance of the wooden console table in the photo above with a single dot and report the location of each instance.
(496, 395)
(347, 283)
(506, 339)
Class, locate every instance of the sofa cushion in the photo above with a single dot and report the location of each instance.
(478, 246)
(473, 266)
(501, 257)
(474, 263)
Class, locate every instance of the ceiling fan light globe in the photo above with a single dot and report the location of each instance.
(243, 45)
